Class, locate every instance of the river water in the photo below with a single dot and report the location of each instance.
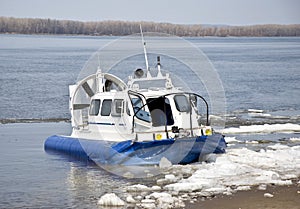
(257, 73)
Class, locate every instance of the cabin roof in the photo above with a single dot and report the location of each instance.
(152, 92)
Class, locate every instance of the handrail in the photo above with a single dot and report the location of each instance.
(189, 93)
(166, 128)
(134, 113)
(191, 121)
(207, 108)
(164, 96)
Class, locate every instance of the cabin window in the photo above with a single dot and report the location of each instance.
(95, 106)
(139, 109)
(161, 112)
(106, 107)
(181, 102)
(143, 115)
(117, 107)
(137, 102)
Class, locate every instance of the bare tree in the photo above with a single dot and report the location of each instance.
(120, 28)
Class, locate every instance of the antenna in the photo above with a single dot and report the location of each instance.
(99, 68)
(145, 51)
(99, 77)
(158, 67)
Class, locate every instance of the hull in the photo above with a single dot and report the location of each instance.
(179, 151)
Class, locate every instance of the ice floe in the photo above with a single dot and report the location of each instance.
(295, 139)
(262, 187)
(238, 169)
(255, 111)
(130, 199)
(111, 199)
(268, 195)
(266, 128)
(138, 188)
(230, 139)
(164, 163)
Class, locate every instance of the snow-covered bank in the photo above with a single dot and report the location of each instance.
(266, 128)
(238, 169)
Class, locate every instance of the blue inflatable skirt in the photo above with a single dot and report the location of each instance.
(178, 151)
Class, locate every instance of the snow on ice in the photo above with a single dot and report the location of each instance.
(268, 195)
(111, 199)
(295, 139)
(238, 169)
(266, 128)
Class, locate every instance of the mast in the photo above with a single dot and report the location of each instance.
(145, 52)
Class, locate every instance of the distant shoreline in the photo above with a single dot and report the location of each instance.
(112, 36)
(37, 26)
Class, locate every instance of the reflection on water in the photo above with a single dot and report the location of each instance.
(32, 178)
(87, 184)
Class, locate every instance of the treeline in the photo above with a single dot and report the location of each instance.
(121, 28)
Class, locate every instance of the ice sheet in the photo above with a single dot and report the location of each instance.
(238, 169)
(266, 128)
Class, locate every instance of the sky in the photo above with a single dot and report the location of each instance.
(229, 12)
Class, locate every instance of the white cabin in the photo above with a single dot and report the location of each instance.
(103, 107)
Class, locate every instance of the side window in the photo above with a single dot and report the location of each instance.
(95, 106)
(181, 102)
(106, 107)
(117, 107)
(136, 102)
